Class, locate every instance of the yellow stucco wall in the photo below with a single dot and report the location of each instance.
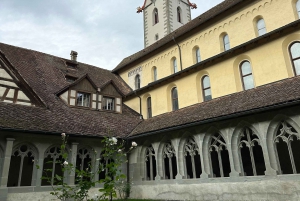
(269, 62)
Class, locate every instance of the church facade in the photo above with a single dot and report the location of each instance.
(213, 104)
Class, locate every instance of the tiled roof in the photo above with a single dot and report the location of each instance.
(213, 12)
(45, 74)
(272, 94)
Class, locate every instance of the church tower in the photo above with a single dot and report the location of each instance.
(161, 17)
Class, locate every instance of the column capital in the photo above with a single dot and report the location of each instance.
(10, 139)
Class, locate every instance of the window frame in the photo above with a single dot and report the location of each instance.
(197, 55)
(149, 107)
(179, 17)
(154, 71)
(137, 81)
(83, 92)
(291, 56)
(155, 16)
(205, 89)
(173, 98)
(174, 65)
(225, 47)
(258, 29)
(104, 103)
(242, 76)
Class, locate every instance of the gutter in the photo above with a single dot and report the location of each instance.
(221, 118)
(179, 53)
(141, 116)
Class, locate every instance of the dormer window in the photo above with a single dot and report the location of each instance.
(108, 103)
(83, 99)
(70, 78)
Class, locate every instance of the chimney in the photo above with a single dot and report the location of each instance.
(74, 55)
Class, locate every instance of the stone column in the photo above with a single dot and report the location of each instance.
(179, 163)
(72, 158)
(199, 141)
(6, 162)
(155, 146)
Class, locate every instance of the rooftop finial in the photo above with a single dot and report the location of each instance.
(192, 5)
(140, 9)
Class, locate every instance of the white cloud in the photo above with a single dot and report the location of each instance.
(102, 32)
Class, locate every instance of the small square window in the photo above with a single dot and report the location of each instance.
(108, 103)
(83, 99)
(156, 37)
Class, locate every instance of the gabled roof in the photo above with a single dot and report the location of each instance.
(274, 95)
(86, 76)
(200, 20)
(45, 75)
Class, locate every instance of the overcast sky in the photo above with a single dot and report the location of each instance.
(102, 32)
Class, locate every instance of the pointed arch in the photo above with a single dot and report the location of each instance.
(21, 169)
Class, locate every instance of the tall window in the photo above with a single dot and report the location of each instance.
(154, 73)
(53, 160)
(219, 157)
(170, 164)
(21, 166)
(246, 74)
(83, 163)
(149, 107)
(298, 7)
(155, 16)
(251, 153)
(197, 55)
(179, 14)
(295, 57)
(137, 81)
(108, 103)
(83, 99)
(192, 160)
(287, 143)
(150, 163)
(175, 69)
(206, 91)
(261, 27)
(226, 42)
(175, 105)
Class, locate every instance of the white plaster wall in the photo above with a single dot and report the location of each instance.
(271, 190)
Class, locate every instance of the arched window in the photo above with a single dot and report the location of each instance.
(53, 160)
(295, 57)
(150, 163)
(179, 14)
(206, 91)
(104, 161)
(137, 81)
(170, 164)
(149, 107)
(298, 8)
(226, 42)
(154, 73)
(246, 75)
(219, 157)
(174, 62)
(175, 105)
(197, 55)
(83, 163)
(251, 154)
(287, 143)
(192, 160)
(21, 166)
(155, 16)
(261, 27)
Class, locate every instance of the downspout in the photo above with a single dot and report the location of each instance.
(141, 116)
(179, 53)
